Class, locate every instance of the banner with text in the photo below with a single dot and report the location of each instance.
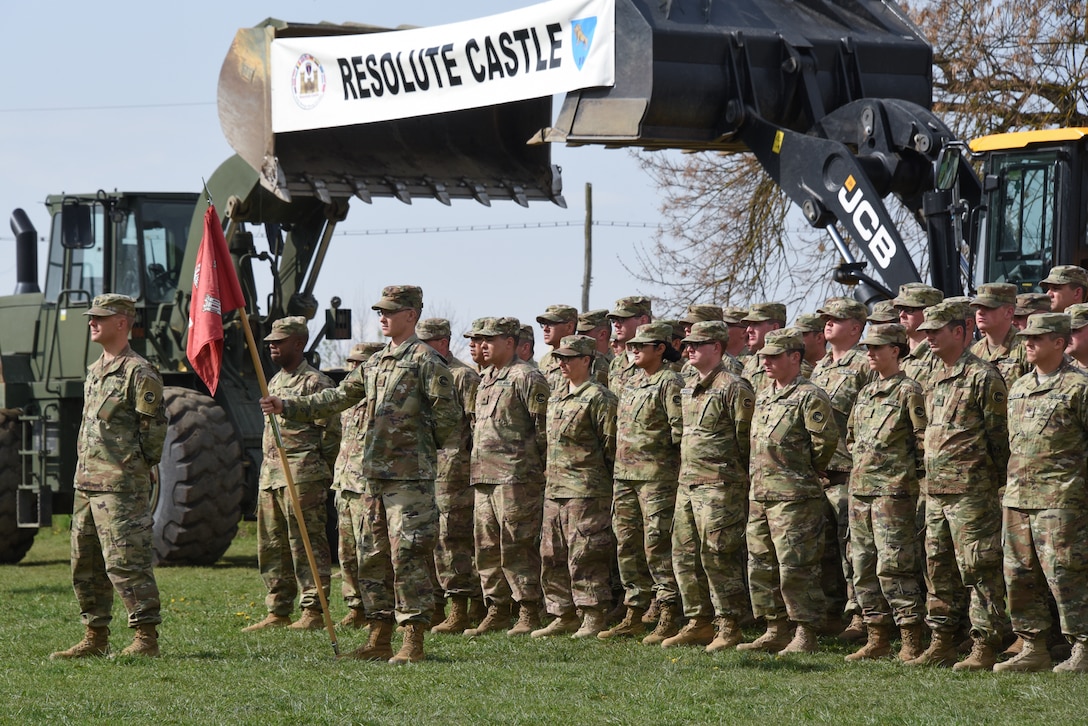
(542, 50)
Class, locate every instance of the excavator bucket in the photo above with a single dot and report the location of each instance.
(478, 154)
(692, 69)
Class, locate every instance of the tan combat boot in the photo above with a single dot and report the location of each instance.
(355, 619)
(311, 620)
(270, 621)
(563, 625)
(1033, 657)
(911, 636)
(668, 625)
(942, 651)
(411, 647)
(438, 615)
(775, 639)
(96, 642)
(982, 658)
(528, 619)
(652, 614)
(617, 613)
(878, 644)
(1077, 661)
(477, 611)
(1015, 648)
(728, 636)
(698, 631)
(855, 631)
(498, 618)
(378, 646)
(630, 626)
(145, 641)
(804, 641)
(457, 621)
(592, 623)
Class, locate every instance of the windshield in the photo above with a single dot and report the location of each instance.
(165, 228)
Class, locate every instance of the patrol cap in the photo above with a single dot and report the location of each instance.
(782, 341)
(676, 325)
(995, 294)
(558, 314)
(886, 334)
(653, 333)
(1066, 275)
(699, 313)
(1044, 323)
(477, 325)
(734, 315)
(400, 297)
(631, 307)
(961, 300)
(111, 303)
(433, 329)
(284, 328)
(883, 312)
(808, 323)
(917, 295)
(499, 326)
(361, 352)
(1078, 315)
(572, 346)
(941, 314)
(761, 312)
(1032, 302)
(707, 331)
(844, 308)
(525, 333)
(592, 320)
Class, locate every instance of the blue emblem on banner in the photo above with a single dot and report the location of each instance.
(581, 31)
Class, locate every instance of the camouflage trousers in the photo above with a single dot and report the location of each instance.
(707, 550)
(396, 550)
(281, 554)
(575, 540)
(884, 551)
(349, 521)
(454, 554)
(1046, 552)
(642, 514)
(785, 543)
(112, 549)
(506, 530)
(963, 550)
(836, 563)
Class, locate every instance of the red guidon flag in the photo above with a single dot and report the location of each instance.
(216, 292)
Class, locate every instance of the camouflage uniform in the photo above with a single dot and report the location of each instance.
(311, 450)
(508, 453)
(1046, 500)
(576, 537)
(411, 409)
(712, 498)
(794, 436)
(966, 452)
(120, 439)
(1009, 356)
(648, 433)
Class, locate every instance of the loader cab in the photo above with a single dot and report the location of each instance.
(1034, 215)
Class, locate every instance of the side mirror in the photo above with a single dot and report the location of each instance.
(948, 167)
(75, 225)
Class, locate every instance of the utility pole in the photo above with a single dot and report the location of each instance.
(588, 276)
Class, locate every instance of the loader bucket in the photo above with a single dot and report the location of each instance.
(476, 154)
(688, 71)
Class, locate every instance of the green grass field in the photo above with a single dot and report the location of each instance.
(211, 673)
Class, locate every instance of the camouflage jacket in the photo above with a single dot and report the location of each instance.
(1010, 358)
(717, 429)
(549, 366)
(620, 371)
(410, 404)
(455, 457)
(967, 441)
(754, 373)
(885, 433)
(348, 471)
(123, 427)
(921, 365)
(581, 442)
(311, 447)
(841, 381)
(794, 436)
(510, 439)
(1048, 438)
(649, 428)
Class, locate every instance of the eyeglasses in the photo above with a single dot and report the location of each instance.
(640, 346)
(389, 313)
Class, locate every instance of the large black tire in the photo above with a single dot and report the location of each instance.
(14, 541)
(197, 501)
